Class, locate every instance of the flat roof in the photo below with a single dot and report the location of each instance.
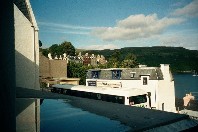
(103, 90)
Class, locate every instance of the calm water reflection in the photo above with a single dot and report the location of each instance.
(56, 115)
(185, 83)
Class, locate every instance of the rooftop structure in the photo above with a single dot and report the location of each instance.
(156, 81)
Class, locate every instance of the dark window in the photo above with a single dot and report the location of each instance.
(116, 74)
(138, 99)
(95, 74)
(145, 81)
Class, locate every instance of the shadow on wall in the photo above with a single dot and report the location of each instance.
(22, 104)
(27, 110)
(27, 72)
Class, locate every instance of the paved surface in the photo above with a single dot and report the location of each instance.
(139, 119)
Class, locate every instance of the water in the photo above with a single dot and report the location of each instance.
(56, 115)
(185, 83)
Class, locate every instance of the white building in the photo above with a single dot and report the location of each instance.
(156, 81)
(26, 65)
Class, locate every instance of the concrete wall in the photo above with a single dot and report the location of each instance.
(166, 95)
(74, 81)
(44, 66)
(27, 70)
(52, 68)
(26, 55)
(58, 68)
(166, 90)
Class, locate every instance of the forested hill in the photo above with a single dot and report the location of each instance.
(180, 59)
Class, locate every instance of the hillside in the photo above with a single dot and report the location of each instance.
(180, 59)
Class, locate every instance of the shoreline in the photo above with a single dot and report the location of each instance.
(179, 103)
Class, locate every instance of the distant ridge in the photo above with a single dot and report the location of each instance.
(179, 58)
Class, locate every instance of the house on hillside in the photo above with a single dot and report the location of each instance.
(158, 82)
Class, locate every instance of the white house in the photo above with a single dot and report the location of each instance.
(156, 81)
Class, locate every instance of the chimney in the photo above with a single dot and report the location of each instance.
(165, 71)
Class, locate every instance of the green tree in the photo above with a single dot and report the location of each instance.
(116, 55)
(54, 50)
(68, 48)
(45, 52)
(130, 61)
(113, 61)
(40, 43)
(77, 70)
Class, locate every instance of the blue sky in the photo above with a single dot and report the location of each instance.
(112, 24)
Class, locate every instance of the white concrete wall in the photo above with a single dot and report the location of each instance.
(26, 58)
(27, 72)
(166, 95)
(25, 119)
(166, 90)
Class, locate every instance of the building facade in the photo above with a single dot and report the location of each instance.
(26, 66)
(156, 81)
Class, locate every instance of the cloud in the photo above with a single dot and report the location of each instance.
(136, 26)
(189, 41)
(55, 30)
(101, 47)
(190, 10)
(64, 28)
(57, 25)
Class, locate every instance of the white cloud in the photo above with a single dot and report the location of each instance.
(64, 28)
(55, 30)
(190, 10)
(136, 26)
(101, 47)
(180, 40)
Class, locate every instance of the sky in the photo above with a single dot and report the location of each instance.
(115, 24)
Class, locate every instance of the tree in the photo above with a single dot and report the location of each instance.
(54, 50)
(68, 48)
(77, 70)
(113, 61)
(116, 55)
(45, 52)
(40, 43)
(130, 61)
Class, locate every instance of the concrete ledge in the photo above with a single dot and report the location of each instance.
(139, 119)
